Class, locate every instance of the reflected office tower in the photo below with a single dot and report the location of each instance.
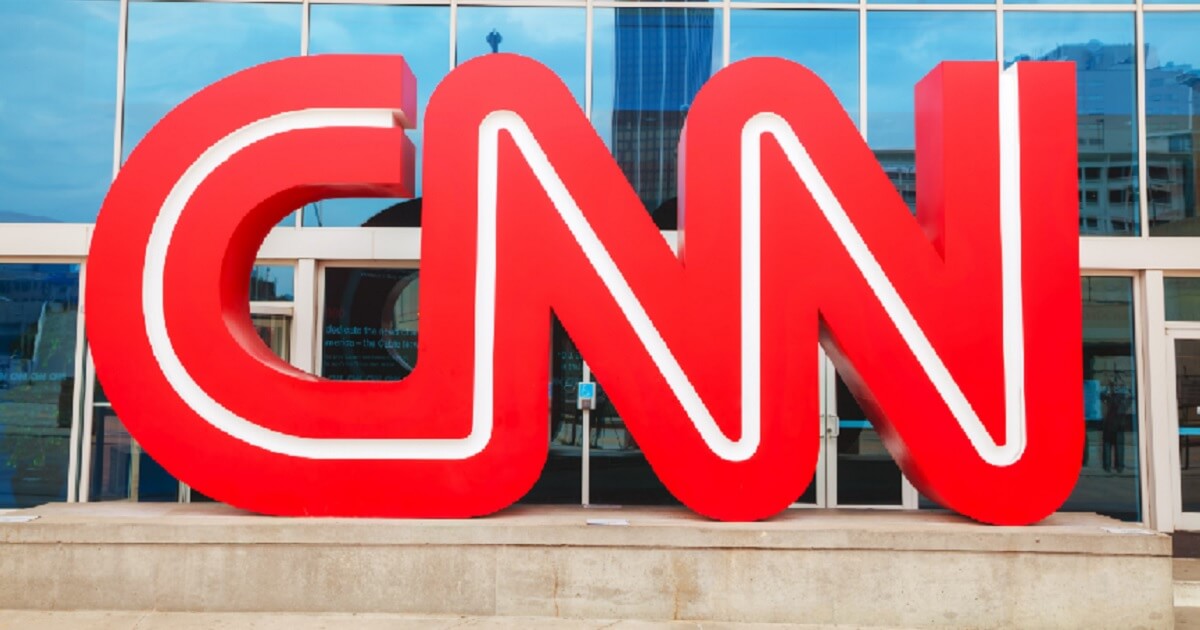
(663, 57)
(1108, 143)
(1107, 136)
(1172, 135)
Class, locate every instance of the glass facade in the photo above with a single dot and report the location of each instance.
(422, 34)
(899, 53)
(58, 66)
(1109, 481)
(1172, 110)
(1101, 45)
(39, 309)
(87, 79)
(648, 65)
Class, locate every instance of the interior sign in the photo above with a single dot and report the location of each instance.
(958, 330)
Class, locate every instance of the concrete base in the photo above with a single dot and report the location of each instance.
(865, 568)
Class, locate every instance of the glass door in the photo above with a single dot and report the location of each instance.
(1184, 384)
(854, 470)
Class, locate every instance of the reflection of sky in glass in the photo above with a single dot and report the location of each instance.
(177, 48)
(902, 47)
(1172, 107)
(1101, 46)
(1074, 1)
(937, 1)
(1173, 40)
(826, 42)
(554, 36)
(58, 69)
(421, 34)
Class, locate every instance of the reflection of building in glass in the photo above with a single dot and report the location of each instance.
(900, 167)
(1172, 107)
(37, 310)
(39, 305)
(1108, 173)
(663, 56)
(1108, 168)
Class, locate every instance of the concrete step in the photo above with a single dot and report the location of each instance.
(1186, 572)
(575, 568)
(1187, 618)
(135, 620)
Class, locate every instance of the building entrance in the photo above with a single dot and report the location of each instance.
(1183, 345)
(854, 470)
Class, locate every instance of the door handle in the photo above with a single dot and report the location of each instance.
(831, 424)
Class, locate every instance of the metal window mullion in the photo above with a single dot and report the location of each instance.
(1161, 467)
(74, 442)
(999, 32)
(453, 34)
(305, 329)
(1140, 361)
(89, 415)
(1142, 135)
(585, 483)
(119, 117)
(862, 68)
(305, 16)
(588, 58)
(726, 31)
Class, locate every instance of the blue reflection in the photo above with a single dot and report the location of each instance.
(1101, 46)
(1080, 1)
(272, 283)
(557, 37)
(647, 65)
(175, 49)
(39, 304)
(422, 35)
(1172, 107)
(902, 48)
(826, 42)
(58, 66)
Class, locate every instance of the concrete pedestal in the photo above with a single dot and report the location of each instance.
(886, 568)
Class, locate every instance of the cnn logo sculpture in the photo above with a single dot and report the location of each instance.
(958, 330)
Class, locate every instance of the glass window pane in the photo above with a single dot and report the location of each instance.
(900, 52)
(1101, 46)
(422, 35)
(121, 469)
(648, 64)
(275, 332)
(1182, 299)
(555, 37)
(177, 48)
(58, 66)
(272, 283)
(1187, 405)
(1172, 107)
(1110, 479)
(866, 472)
(39, 305)
(825, 42)
(370, 324)
(561, 480)
(934, 1)
(1077, 1)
